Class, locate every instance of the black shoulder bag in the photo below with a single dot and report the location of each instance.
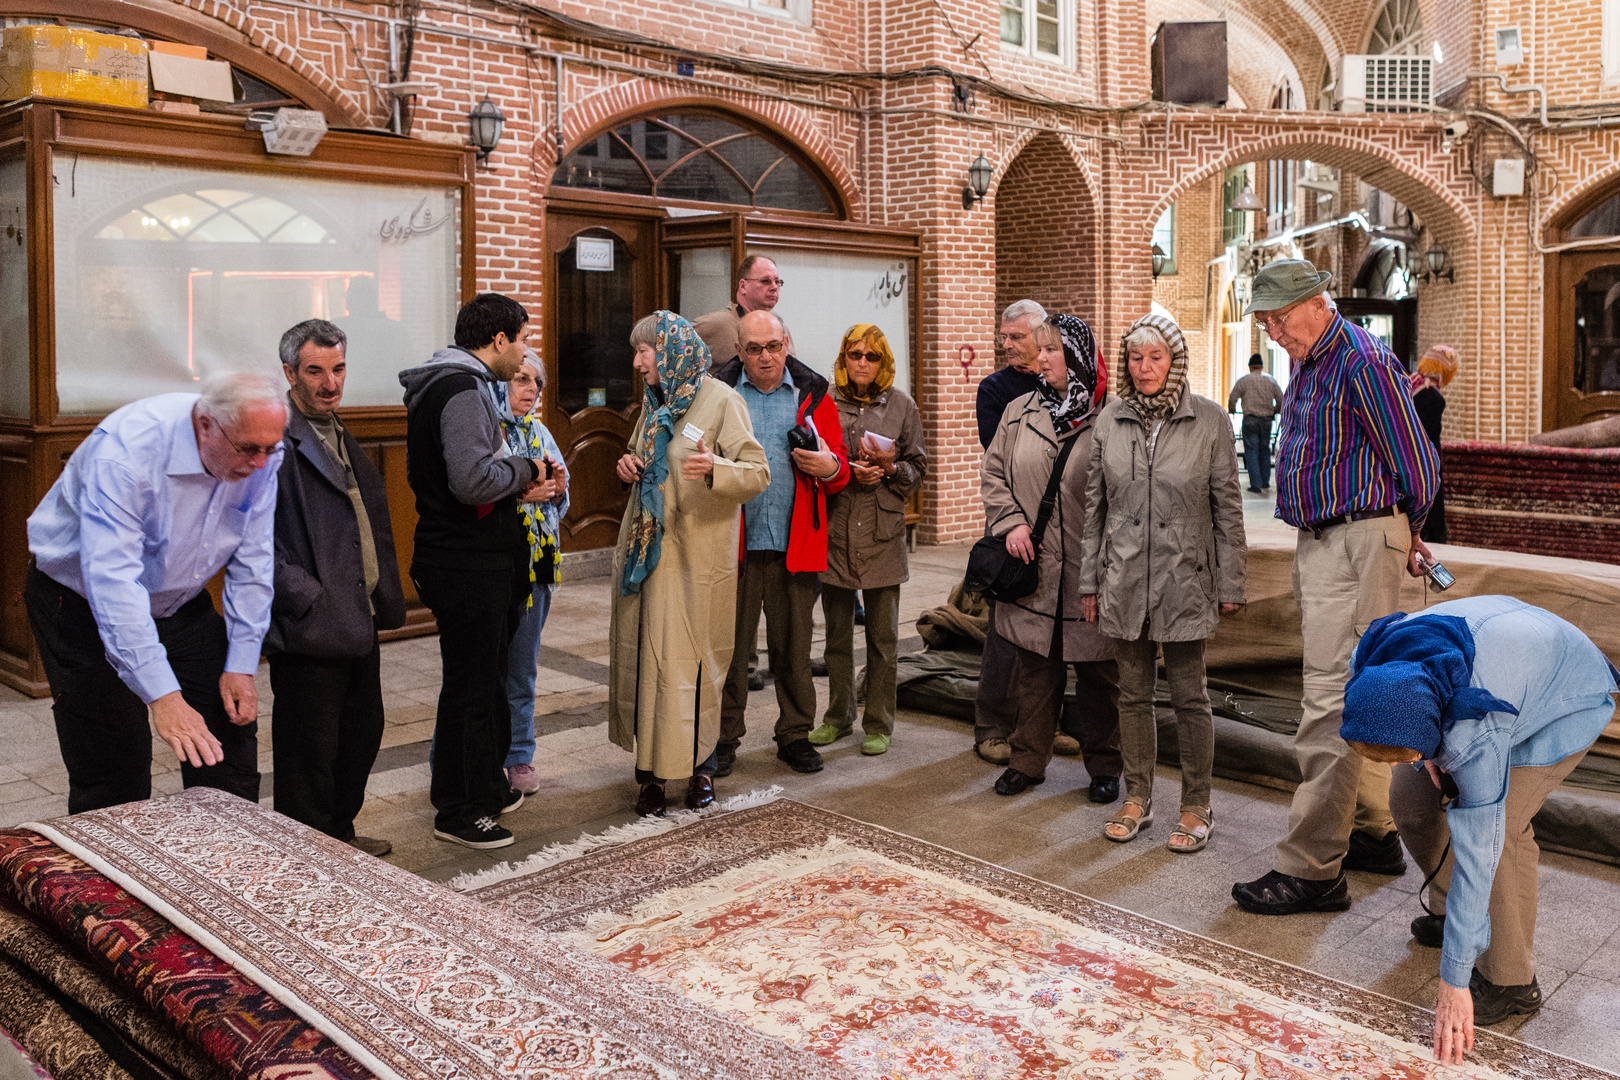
(995, 572)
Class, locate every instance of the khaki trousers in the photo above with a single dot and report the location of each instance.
(786, 599)
(882, 654)
(1343, 581)
(1511, 958)
(1138, 726)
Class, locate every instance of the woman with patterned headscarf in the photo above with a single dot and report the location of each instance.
(1434, 373)
(1163, 561)
(693, 462)
(526, 436)
(866, 534)
(1038, 431)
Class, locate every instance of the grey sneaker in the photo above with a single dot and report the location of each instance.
(523, 778)
(995, 751)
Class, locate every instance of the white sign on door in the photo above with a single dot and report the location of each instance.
(593, 253)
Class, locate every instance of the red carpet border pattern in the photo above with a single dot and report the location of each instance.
(900, 959)
(1542, 500)
(413, 980)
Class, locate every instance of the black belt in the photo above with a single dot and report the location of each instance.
(1317, 528)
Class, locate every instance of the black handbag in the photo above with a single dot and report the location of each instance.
(995, 572)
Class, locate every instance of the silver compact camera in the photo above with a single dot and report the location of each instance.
(1437, 574)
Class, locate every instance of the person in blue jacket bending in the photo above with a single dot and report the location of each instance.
(1492, 702)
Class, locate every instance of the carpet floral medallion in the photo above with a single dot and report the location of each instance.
(898, 959)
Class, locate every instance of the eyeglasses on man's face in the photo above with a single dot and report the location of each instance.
(1274, 320)
(756, 350)
(247, 451)
(768, 282)
(1010, 336)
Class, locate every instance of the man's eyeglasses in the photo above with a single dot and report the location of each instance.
(1273, 320)
(247, 451)
(755, 350)
(869, 357)
(769, 282)
(1005, 337)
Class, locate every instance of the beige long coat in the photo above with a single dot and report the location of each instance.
(1164, 541)
(866, 526)
(670, 644)
(1012, 480)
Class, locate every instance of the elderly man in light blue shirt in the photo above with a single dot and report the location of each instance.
(1499, 701)
(162, 495)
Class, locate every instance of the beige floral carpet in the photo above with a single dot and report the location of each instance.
(896, 959)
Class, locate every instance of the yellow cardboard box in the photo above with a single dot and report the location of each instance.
(80, 65)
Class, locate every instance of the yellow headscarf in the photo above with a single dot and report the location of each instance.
(864, 332)
(1440, 362)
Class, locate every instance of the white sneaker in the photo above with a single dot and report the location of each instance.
(523, 778)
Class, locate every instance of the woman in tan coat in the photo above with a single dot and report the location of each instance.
(694, 463)
(866, 534)
(1045, 628)
(1163, 561)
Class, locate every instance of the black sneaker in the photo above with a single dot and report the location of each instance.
(1429, 930)
(800, 756)
(756, 680)
(818, 668)
(1375, 856)
(514, 799)
(725, 759)
(1494, 1004)
(1284, 894)
(482, 834)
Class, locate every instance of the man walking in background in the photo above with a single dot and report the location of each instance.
(337, 584)
(1261, 397)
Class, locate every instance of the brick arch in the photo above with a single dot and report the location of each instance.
(628, 100)
(1388, 166)
(1599, 185)
(1047, 228)
(1264, 61)
(204, 22)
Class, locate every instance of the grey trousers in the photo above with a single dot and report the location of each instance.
(882, 648)
(1139, 730)
(1415, 801)
(786, 599)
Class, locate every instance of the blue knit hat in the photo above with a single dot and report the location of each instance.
(1411, 683)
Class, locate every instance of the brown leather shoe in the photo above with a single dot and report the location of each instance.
(699, 792)
(651, 801)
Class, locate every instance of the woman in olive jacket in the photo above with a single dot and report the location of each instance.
(1162, 560)
(866, 534)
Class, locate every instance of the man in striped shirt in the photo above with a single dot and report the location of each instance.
(1355, 476)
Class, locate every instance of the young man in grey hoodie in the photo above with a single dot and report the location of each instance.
(470, 563)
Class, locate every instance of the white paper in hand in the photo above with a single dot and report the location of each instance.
(882, 442)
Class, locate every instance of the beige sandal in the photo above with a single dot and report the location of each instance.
(1199, 834)
(1127, 821)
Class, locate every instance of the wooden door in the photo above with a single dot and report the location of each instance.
(592, 392)
(1583, 339)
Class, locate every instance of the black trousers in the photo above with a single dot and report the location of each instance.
(101, 724)
(478, 612)
(324, 735)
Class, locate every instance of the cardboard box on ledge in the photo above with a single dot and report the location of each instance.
(181, 74)
(79, 65)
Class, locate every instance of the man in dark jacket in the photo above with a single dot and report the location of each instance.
(784, 536)
(337, 584)
(470, 565)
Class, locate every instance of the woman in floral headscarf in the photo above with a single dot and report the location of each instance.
(693, 462)
(1163, 560)
(866, 534)
(1044, 628)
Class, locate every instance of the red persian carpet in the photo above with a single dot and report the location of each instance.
(899, 959)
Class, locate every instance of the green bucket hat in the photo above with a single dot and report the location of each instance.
(1280, 283)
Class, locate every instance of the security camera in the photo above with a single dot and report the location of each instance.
(1456, 129)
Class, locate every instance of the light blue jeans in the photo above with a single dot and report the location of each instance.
(521, 665)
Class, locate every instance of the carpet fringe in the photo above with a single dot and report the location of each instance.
(612, 837)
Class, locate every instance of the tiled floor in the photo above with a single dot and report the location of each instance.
(932, 786)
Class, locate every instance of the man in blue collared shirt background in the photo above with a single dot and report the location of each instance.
(162, 495)
(1500, 701)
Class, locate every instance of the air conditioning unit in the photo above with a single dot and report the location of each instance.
(1387, 83)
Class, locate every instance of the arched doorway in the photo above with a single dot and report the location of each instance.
(1582, 353)
(656, 210)
(1046, 227)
